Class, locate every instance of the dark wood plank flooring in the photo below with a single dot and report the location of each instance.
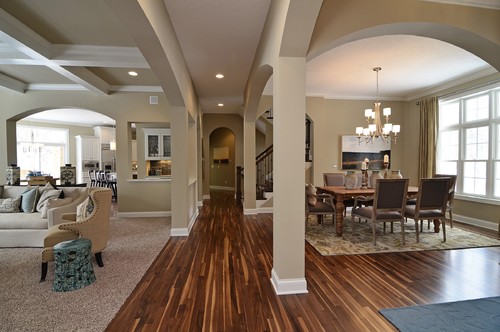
(218, 279)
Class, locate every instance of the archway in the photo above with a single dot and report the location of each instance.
(43, 140)
(222, 159)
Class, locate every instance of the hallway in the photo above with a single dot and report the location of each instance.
(218, 279)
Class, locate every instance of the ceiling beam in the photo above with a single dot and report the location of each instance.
(98, 56)
(31, 44)
(12, 84)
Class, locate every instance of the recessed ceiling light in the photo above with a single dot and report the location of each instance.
(220, 104)
(133, 73)
(219, 76)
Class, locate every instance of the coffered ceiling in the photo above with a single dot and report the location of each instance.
(81, 45)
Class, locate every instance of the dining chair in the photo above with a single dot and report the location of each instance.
(431, 203)
(337, 179)
(333, 179)
(451, 193)
(319, 204)
(389, 202)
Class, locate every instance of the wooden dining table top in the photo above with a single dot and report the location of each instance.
(334, 190)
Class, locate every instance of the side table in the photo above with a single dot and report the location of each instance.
(73, 265)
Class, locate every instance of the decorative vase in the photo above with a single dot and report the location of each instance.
(374, 177)
(68, 174)
(351, 180)
(396, 174)
(13, 175)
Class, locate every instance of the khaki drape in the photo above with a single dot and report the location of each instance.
(428, 137)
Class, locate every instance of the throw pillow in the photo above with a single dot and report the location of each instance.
(28, 200)
(312, 199)
(84, 209)
(46, 195)
(10, 205)
(54, 202)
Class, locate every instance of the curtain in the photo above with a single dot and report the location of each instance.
(428, 137)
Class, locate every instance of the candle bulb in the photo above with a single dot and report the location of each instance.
(386, 158)
(367, 160)
(363, 165)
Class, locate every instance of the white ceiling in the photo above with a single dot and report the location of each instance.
(67, 45)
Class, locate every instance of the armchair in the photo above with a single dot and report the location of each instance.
(94, 227)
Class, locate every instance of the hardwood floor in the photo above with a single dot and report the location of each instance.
(218, 279)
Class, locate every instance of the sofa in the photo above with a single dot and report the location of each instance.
(27, 212)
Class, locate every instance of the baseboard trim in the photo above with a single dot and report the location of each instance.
(221, 188)
(144, 214)
(269, 209)
(179, 232)
(250, 211)
(476, 222)
(288, 286)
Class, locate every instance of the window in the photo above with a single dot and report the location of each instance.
(41, 149)
(469, 142)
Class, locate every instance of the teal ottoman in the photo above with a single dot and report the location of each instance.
(73, 265)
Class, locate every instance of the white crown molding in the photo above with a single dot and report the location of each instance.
(491, 4)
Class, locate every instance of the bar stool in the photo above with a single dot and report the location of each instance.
(92, 178)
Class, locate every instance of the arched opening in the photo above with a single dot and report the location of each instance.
(222, 159)
(44, 140)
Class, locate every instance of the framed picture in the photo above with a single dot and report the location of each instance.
(354, 152)
(221, 155)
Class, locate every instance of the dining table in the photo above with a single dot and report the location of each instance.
(341, 193)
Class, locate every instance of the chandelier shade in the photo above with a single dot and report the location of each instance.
(374, 129)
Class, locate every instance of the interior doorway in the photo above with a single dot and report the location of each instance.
(222, 174)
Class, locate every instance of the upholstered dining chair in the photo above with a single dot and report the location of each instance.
(337, 179)
(319, 204)
(451, 193)
(389, 202)
(431, 203)
(333, 179)
(93, 224)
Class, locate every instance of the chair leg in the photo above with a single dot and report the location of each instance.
(416, 230)
(443, 223)
(44, 272)
(98, 258)
(451, 218)
(374, 231)
(402, 231)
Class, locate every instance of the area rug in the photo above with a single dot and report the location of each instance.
(326, 242)
(27, 305)
(480, 315)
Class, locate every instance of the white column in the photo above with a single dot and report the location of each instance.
(288, 274)
(180, 171)
(249, 171)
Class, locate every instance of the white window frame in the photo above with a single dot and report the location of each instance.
(493, 124)
(65, 145)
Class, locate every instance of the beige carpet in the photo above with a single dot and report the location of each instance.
(27, 305)
(325, 241)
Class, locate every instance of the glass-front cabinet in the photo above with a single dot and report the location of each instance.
(158, 144)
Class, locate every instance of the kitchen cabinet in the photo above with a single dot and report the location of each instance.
(88, 148)
(105, 134)
(158, 144)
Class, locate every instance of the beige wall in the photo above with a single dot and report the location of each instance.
(222, 175)
(123, 107)
(331, 119)
(212, 122)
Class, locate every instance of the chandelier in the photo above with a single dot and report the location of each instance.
(386, 132)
